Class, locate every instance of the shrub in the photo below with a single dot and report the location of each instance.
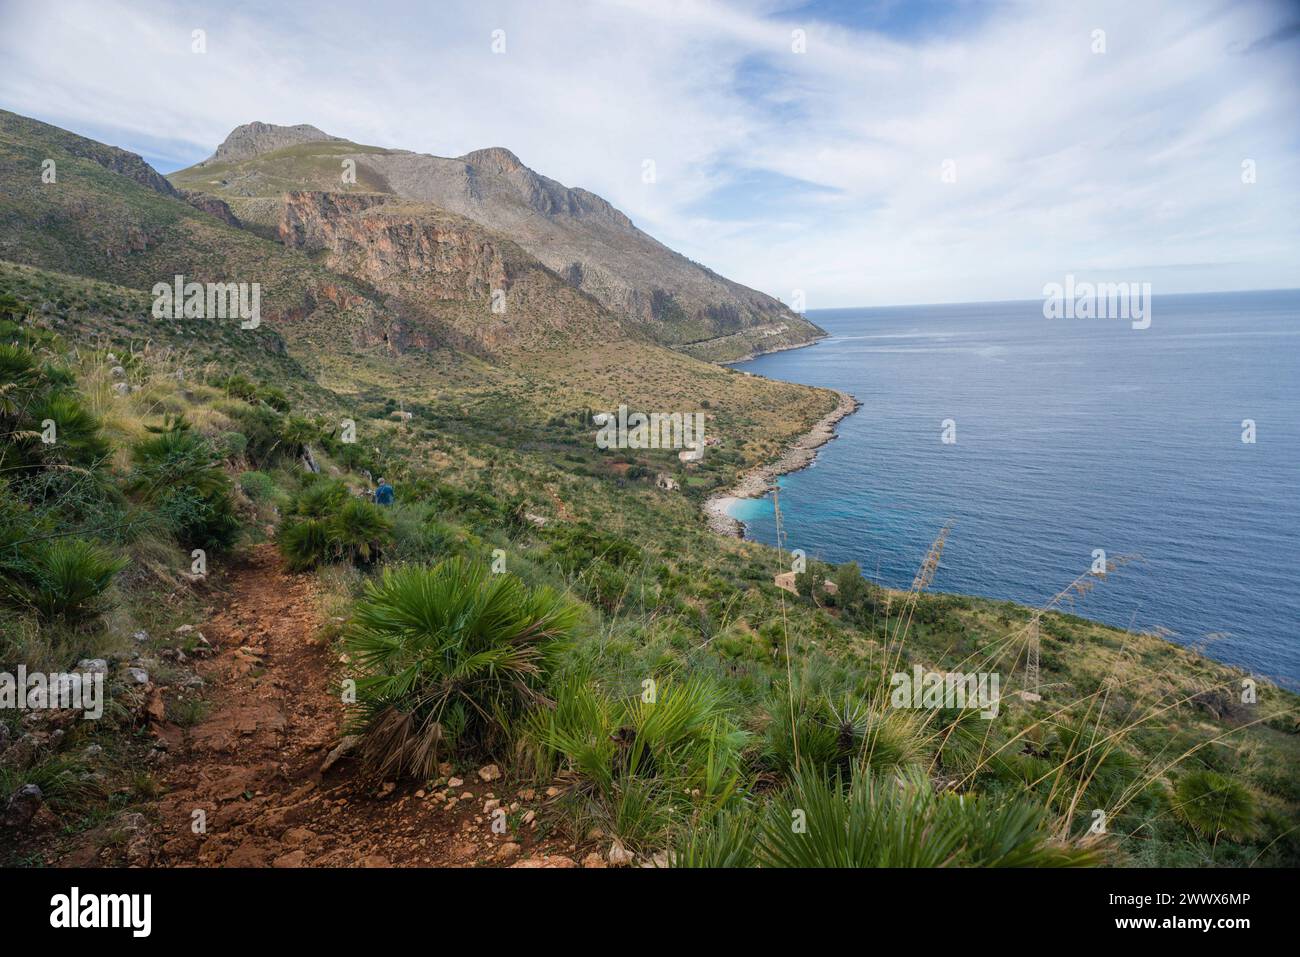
(320, 499)
(880, 822)
(448, 657)
(258, 486)
(837, 734)
(1090, 758)
(642, 765)
(61, 578)
(1213, 805)
(305, 544)
(359, 530)
(179, 473)
(233, 445)
(326, 524)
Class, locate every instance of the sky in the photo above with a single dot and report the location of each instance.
(861, 153)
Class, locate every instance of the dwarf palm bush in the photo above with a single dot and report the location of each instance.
(306, 543)
(837, 733)
(358, 530)
(78, 438)
(880, 821)
(1091, 767)
(644, 763)
(1213, 805)
(448, 658)
(321, 499)
(32, 397)
(61, 579)
(19, 379)
(178, 472)
(326, 524)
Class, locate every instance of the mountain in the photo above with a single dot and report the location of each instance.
(575, 233)
(368, 293)
(253, 139)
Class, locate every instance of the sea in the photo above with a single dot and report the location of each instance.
(1173, 449)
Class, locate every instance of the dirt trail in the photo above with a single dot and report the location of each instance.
(254, 764)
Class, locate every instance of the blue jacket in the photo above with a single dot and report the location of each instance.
(384, 495)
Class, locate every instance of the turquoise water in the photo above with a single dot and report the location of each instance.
(1071, 435)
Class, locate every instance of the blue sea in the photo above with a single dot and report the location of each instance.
(1071, 435)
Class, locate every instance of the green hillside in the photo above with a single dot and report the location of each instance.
(530, 602)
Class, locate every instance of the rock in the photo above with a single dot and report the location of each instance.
(139, 850)
(43, 820)
(121, 388)
(620, 856)
(489, 772)
(295, 836)
(92, 751)
(455, 783)
(528, 794)
(137, 676)
(552, 792)
(23, 805)
(141, 635)
(292, 859)
(94, 666)
(343, 747)
(251, 853)
(20, 755)
(184, 629)
(508, 851)
(549, 861)
(376, 860)
(594, 860)
(490, 806)
(467, 795)
(154, 708)
(386, 788)
(529, 816)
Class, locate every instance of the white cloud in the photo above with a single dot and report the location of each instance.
(1066, 161)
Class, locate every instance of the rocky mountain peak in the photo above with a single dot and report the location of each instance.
(256, 138)
(495, 158)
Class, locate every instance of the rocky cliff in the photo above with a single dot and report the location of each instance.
(576, 234)
(256, 138)
(478, 286)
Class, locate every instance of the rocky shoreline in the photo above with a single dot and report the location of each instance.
(798, 455)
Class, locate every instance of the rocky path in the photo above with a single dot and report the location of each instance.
(260, 779)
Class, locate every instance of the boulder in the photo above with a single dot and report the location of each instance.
(22, 806)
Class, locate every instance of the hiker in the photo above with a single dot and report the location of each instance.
(384, 493)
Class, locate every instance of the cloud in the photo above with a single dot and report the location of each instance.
(819, 171)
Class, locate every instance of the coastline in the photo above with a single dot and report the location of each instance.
(798, 455)
(783, 348)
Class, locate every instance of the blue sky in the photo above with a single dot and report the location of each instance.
(888, 152)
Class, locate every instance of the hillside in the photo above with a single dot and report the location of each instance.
(355, 317)
(575, 233)
(556, 662)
